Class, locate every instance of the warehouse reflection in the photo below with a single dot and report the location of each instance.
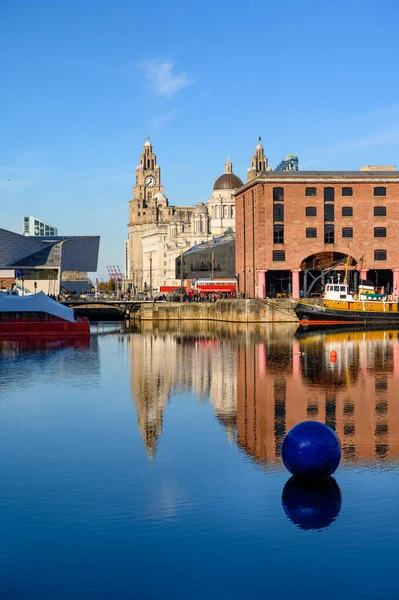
(261, 381)
(352, 391)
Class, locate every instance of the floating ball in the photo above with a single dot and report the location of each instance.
(311, 449)
(313, 504)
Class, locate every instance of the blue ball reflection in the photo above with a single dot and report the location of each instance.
(312, 504)
(311, 449)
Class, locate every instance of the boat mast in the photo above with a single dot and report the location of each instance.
(347, 265)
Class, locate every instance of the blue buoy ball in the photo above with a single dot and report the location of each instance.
(311, 449)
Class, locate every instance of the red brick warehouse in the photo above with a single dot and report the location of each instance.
(294, 229)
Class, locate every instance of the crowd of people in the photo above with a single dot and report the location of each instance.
(193, 296)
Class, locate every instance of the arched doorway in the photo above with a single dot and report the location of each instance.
(316, 268)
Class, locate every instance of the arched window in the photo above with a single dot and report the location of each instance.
(278, 234)
(347, 191)
(278, 194)
(380, 254)
(380, 232)
(328, 194)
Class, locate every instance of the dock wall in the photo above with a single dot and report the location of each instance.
(234, 311)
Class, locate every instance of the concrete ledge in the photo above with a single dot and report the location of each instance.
(255, 310)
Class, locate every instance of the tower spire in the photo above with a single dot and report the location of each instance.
(259, 162)
(228, 167)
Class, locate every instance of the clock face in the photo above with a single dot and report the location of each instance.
(149, 181)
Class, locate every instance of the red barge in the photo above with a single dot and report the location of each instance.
(38, 315)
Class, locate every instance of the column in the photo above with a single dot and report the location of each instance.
(395, 284)
(363, 273)
(262, 360)
(261, 273)
(296, 358)
(396, 358)
(295, 282)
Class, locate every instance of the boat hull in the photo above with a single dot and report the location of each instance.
(54, 327)
(313, 314)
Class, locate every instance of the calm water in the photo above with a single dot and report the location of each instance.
(147, 465)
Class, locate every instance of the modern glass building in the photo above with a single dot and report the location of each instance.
(35, 227)
(214, 259)
(52, 263)
(289, 163)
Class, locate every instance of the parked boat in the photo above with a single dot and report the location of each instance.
(340, 305)
(38, 315)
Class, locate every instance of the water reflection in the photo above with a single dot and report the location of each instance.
(261, 381)
(56, 356)
(171, 358)
(312, 504)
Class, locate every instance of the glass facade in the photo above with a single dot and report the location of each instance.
(289, 163)
(35, 227)
(214, 259)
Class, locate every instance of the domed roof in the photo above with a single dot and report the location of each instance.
(227, 181)
(176, 218)
(200, 208)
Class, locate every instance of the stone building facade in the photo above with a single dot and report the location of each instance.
(291, 226)
(159, 232)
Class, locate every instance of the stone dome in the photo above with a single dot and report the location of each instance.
(176, 218)
(200, 208)
(227, 181)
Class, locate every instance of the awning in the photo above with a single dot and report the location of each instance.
(35, 303)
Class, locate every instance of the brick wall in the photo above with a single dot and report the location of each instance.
(254, 225)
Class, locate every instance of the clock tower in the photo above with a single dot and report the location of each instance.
(148, 178)
(145, 209)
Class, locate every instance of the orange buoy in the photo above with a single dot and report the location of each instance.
(333, 356)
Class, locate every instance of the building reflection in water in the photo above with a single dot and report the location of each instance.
(168, 358)
(262, 381)
(283, 383)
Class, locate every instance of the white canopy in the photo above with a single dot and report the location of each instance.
(35, 303)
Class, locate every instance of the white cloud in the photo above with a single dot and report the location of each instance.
(159, 73)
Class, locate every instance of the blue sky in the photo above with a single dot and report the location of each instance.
(83, 81)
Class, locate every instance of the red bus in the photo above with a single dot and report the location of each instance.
(214, 285)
